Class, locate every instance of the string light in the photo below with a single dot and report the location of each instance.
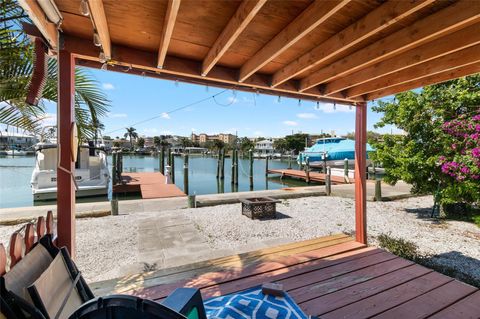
(206, 88)
(334, 105)
(318, 106)
(176, 83)
(299, 102)
(279, 99)
(104, 67)
(234, 92)
(350, 107)
(257, 92)
(102, 57)
(96, 39)
(84, 9)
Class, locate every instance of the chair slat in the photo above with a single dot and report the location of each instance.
(3, 260)
(50, 222)
(41, 227)
(29, 237)
(16, 248)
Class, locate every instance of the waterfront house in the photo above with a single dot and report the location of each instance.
(264, 147)
(17, 140)
(341, 51)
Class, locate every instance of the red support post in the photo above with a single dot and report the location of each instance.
(360, 172)
(66, 169)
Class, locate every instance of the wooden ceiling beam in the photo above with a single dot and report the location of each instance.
(377, 20)
(168, 24)
(38, 17)
(242, 17)
(450, 43)
(315, 14)
(126, 58)
(447, 62)
(427, 80)
(97, 13)
(450, 19)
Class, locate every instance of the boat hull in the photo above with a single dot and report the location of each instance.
(51, 193)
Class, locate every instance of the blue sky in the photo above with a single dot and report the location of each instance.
(136, 98)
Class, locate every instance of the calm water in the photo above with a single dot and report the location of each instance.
(15, 173)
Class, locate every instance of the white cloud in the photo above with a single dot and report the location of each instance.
(232, 100)
(307, 116)
(117, 115)
(331, 108)
(165, 115)
(50, 119)
(290, 123)
(108, 86)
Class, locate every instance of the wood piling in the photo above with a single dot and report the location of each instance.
(328, 181)
(236, 167)
(222, 165)
(162, 160)
(172, 165)
(233, 167)
(114, 167)
(185, 174)
(378, 190)
(250, 155)
(307, 170)
(266, 167)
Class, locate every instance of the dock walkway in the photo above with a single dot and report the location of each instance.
(149, 184)
(314, 176)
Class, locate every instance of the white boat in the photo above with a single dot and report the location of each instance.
(15, 153)
(91, 172)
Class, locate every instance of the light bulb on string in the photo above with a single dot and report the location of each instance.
(279, 99)
(299, 102)
(334, 105)
(206, 88)
(96, 40)
(234, 92)
(257, 92)
(176, 83)
(350, 107)
(318, 106)
(104, 67)
(84, 9)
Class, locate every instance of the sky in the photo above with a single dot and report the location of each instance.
(135, 99)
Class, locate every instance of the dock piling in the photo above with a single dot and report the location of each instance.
(266, 167)
(307, 170)
(236, 167)
(233, 166)
(169, 157)
(185, 174)
(162, 160)
(172, 165)
(378, 190)
(222, 165)
(114, 205)
(250, 155)
(114, 168)
(290, 160)
(328, 181)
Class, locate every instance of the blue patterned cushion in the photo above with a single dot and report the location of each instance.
(253, 304)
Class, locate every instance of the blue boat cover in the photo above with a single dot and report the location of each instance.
(253, 304)
(336, 148)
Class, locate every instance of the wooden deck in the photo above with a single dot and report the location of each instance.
(314, 176)
(148, 184)
(331, 277)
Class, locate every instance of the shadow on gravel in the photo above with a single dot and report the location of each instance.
(422, 213)
(279, 215)
(436, 262)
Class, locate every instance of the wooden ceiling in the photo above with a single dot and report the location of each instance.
(344, 50)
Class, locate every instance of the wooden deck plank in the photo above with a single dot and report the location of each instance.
(149, 184)
(467, 308)
(370, 306)
(320, 287)
(341, 298)
(430, 302)
(225, 275)
(314, 176)
(323, 264)
(193, 270)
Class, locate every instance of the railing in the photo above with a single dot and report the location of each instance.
(22, 241)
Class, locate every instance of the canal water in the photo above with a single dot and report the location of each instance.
(15, 173)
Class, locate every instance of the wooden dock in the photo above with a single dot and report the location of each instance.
(314, 176)
(148, 184)
(329, 277)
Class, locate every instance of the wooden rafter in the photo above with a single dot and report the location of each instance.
(97, 13)
(379, 19)
(453, 42)
(442, 64)
(242, 17)
(448, 20)
(38, 17)
(427, 80)
(188, 69)
(168, 24)
(315, 14)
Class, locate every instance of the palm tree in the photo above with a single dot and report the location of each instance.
(16, 67)
(131, 134)
(185, 142)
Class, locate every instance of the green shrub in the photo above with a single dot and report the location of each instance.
(398, 246)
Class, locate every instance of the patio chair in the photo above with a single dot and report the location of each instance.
(46, 284)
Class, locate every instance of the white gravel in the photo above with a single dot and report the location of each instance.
(107, 244)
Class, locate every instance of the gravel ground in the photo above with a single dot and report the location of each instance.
(107, 244)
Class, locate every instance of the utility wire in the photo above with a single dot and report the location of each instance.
(172, 111)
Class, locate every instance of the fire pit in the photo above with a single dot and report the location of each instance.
(259, 207)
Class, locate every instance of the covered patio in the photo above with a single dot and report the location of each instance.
(340, 52)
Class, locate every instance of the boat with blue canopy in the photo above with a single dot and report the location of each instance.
(333, 151)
